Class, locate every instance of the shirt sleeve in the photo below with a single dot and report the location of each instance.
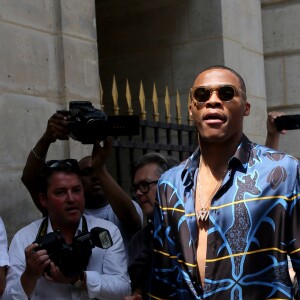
(14, 289)
(139, 211)
(294, 222)
(126, 236)
(113, 281)
(161, 272)
(4, 259)
(140, 255)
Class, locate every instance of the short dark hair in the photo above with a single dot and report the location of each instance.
(240, 78)
(69, 166)
(164, 162)
(84, 158)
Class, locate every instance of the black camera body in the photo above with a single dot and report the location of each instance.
(287, 122)
(73, 258)
(89, 124)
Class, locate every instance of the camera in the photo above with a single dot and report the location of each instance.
(73, 258)
(89, 124)
(287, 122)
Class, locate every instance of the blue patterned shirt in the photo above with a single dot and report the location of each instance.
(254, 223)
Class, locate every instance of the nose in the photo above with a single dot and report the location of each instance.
(214, 100)
(138, 193)
(93, 176)
(70, 196)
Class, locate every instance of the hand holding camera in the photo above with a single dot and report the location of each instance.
(57, 128)
(35, 262)
(73, 258)
(57, 276)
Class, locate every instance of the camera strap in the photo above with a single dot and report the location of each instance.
(44, 225)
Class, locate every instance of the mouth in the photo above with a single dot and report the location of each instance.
(72, 209)
(143, 202)
(214, 118)
(97, 186)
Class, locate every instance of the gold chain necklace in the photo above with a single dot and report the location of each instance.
(203, 213)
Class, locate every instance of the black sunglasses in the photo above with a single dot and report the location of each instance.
(225, 93)
(143, 186)
(52, 164)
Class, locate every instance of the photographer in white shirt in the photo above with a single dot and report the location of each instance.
(105, 276)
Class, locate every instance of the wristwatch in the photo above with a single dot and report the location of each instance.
(79, 282)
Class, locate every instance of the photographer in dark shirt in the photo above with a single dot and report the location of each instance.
(145, 174)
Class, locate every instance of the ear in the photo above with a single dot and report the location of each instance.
(43, 199)
(247, 108)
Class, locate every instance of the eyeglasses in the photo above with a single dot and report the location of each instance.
(143, 186)
(62, 163)
(225, 93)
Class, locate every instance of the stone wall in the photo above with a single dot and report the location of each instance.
(48, 56)
(243, 51)
(282, 63)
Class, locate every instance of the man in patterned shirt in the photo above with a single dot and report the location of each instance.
(227, 217)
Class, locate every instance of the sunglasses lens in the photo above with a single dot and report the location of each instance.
(59, 163)
(53, 163)
(201, 94)
(226, 93)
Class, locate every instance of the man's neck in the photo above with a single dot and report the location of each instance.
(216, 155)
(68, 231)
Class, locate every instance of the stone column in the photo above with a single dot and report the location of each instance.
(243, 51)
(282, 63)
(48, 56)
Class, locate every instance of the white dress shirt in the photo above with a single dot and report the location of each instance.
(107, 213)
(106, 274)
(4, 260)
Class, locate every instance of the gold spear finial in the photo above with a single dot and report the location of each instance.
(128, 99)
(115, 97)
(155, 104)
(167, 105)
(178, 109)
(142, 99)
